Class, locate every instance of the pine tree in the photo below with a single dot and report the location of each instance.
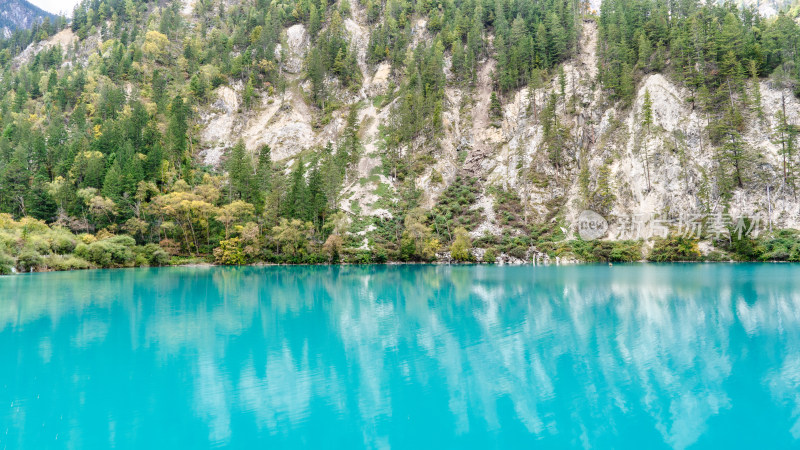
(657, 61)
(647, 120)
(14, 184)
(339, 67)
(350, 142)
(114, 182)
(177, 130)
(536, 83)
(296, 204)
(734, 158)
(314, 22)
(704, 98)
(645, 53)
(756, 87)
(541, 46)
(556, 136)
(732, 71)
(249, 94)
(240, 173)
(786, 136)
(562, 84)
(317, 202)
(264, 168)
(158, 86)
(504, 75)
(626, 86)
(556, 38)
(39, 202)
(316, 73)
(153, 164)
(457, 61)
(199, 87)
(132, 169)
(495, 108)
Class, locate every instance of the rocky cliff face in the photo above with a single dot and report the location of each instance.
(612, 151)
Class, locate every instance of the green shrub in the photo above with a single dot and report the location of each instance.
(595, 251)
(33, 226)
(782, 245)
(408, 249)
(82, 250)
(490, 256)
(96, 252)
(156, 256)
(6, 264)
(508, 208)
(112, 252)
(29, 260)
(38, 244)
(63, 244)
(360, 257)
(61, 263)
(379, 254)
(626, 251)
(123, 240)
(518, 252)
(674, 248)
(454, 207)
(229, 253)
(794, 255)
(8, 242)
(460, 250)
(321, 258)
(717, 256)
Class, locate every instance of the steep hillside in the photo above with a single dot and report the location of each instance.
(408, 131)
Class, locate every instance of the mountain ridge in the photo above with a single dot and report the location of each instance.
(16, 14)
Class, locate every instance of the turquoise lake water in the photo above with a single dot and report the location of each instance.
(403, 357)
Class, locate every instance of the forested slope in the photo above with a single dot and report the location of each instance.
(310, 132)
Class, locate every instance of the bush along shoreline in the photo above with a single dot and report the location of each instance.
(31, 245)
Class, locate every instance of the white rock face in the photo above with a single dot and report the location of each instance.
(188, 7)
(380, 81)
(509, 152)
(64, 38)
(515, 151)
(297, 43)
(219, 127)
(283, 124)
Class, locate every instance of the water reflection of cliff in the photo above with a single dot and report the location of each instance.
(575, 356)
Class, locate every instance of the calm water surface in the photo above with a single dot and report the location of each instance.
(404, 357)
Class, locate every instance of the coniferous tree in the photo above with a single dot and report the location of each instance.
(645, 52)
(647, 121)
(495, 108)
(264, 168)
(317, 202)
(177, 130)
(114, 183)
(240, 172)
(734, 157)
(296, 204)
(786, 136)
(756, 88)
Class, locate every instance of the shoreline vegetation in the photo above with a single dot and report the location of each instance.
(31, 245)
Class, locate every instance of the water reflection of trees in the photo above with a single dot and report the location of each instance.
(568, 348)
